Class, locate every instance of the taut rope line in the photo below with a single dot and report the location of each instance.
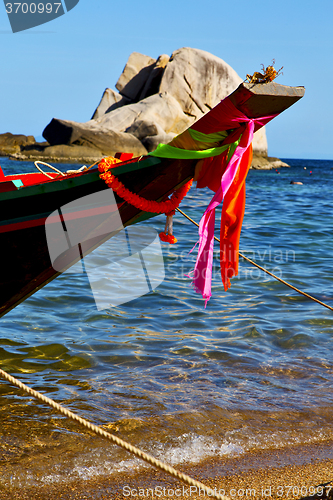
(119, 442)
(265, 270)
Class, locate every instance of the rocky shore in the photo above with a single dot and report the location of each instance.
(261, 162)
(156, 99)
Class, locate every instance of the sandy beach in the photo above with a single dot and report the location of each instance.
(296, 473)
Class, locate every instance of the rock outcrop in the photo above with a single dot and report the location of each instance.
(134, 76)
(110, 100)
(13, 143)
(264, 162)
(157, 99)
(198, 80)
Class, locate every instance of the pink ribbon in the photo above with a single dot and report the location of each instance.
(226, 116)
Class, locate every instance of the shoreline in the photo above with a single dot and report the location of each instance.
(298, 472)
(259, 162)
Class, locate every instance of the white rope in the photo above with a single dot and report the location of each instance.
(68, 172)
(82, 169)
(47, 165)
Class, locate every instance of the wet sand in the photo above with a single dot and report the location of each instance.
(300, 472)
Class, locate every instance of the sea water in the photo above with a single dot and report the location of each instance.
(253, 370)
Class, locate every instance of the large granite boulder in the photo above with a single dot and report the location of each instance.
(156, 100)
(198, 80)
(135, 74)
(259, 142)
(162, 109)
(152, 85)
(106, 140)
(110, 142)
(150, 134)
(110, 100)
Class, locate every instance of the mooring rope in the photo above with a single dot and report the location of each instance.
(119, 442)
(265, 270)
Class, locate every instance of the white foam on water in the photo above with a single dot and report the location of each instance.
(52, 478)
(231, 449)
(193, 448)
(188, 448)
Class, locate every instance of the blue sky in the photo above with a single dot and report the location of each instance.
(60, 69)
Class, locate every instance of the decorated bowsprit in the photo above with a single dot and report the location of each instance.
(221, 142)
(48, 222)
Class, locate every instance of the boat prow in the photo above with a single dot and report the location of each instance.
(33, 206)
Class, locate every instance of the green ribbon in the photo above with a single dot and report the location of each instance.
(214, 137)
(166, 151)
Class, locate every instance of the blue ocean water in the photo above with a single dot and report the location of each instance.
(252, 370)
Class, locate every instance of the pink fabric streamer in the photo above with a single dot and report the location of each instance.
(226, 116)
